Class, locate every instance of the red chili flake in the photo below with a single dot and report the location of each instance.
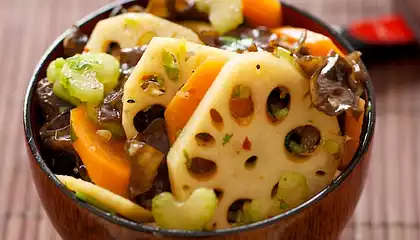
(86, 49)
(247, 144)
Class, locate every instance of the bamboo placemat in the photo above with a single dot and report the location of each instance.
(388, 209)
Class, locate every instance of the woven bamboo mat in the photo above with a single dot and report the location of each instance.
(388, 209)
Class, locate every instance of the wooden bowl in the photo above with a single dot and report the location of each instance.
(322, 217)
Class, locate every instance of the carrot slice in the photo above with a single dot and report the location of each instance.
(353, 129)
(262, 13)
(183, 105)
(105, 161)
(318, 44)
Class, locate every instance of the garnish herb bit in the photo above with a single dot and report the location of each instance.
(246, 145)
(227, 138)
(171, 65)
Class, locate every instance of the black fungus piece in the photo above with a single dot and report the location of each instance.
(335, 87)
(144, 118)
(144, 164)
(75, 42)
(161, 184)
(310, 64)
(56, 133)
(155, 135)
(129, 57)
(50, 104)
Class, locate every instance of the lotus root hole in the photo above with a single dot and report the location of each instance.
(204, 139)
(303, 141)
(278, 104)
(202, 169)
(235, 208)
(216, 119)
(241, 105)
(251, 162)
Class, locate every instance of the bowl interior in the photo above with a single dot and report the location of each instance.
(33, 119)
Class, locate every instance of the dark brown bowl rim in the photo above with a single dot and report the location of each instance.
(366, 138)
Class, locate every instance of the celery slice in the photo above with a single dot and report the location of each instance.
(64, 94)
(292, 190)
(54, 69)
(193, 214)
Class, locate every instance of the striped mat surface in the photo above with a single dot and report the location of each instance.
(388, 209)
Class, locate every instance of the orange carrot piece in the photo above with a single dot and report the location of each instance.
(262, 13)
(183, 105)
(353, 129)
(318, 44)
(105, 161)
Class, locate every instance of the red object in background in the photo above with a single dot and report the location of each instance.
(389, 30)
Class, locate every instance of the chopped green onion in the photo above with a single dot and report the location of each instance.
(170, 63)
(227, 138)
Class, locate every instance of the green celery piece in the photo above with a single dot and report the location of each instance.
(84, 77)
(82, 84)
(105, 66)
(64, 94)
(292, 190)
(193, 214)
(54, 69)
